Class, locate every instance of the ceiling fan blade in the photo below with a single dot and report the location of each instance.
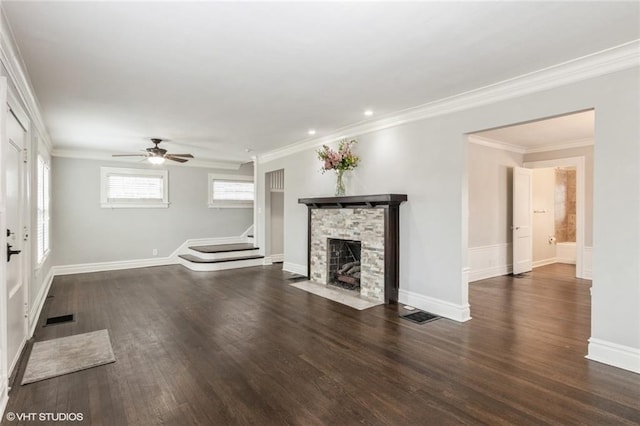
(172, 158)
(181, 155)
(129, 155)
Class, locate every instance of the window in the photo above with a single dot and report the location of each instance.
(44, 179)
(230, 191)
(122, 188)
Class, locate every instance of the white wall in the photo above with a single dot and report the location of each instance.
(427, 160)
(83, 232)
(277, 222)
(490, 173)
(543, 198)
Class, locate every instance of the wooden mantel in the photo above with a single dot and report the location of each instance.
(356, 201)
(391, 205)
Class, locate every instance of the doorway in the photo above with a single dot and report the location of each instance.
(274, 207)
(564, 142)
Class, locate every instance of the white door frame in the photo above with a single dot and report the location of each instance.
(579, 164)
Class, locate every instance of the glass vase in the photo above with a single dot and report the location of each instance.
(339, 183)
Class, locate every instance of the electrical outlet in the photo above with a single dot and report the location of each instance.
(154, 252)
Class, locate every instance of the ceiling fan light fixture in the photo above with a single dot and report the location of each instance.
(156, 160)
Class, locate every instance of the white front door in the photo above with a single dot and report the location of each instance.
(16, 253)
(522, 220)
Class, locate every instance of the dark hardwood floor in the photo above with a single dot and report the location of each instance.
(244, 347)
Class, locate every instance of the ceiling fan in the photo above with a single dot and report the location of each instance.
(157, 155)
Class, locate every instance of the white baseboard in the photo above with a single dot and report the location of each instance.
(543, 262)
(613, 354)
(460, 313)
(490, 261)
(36, 308)
(4, 396)
(112, 266)
(587, 263)
(295, 268)
(277, 257)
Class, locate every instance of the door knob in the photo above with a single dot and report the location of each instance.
(10, 252)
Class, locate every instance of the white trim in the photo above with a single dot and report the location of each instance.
(581, 196)
(496, 144)
(544, 262)
(295, 268)
(587, 263)
(610, 60)
(38, 304)
(610, 353)
(460, 313)
(85, 154)
(111, 266)
(578, 143)
(519, 149)
(489, 261)
(4, 396)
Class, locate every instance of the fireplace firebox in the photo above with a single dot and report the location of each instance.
(343, 263)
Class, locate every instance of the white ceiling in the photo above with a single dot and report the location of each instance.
(557, 132)
(217, 78)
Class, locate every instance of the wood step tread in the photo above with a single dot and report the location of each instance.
(196, 259)
(223, 248)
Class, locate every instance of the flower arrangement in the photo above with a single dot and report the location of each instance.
(341, 161)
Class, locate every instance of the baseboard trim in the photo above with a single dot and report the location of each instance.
(460, 313)
(111, 266)
(496, 271)
(295, 268)
(544, 262)
(36, 309)
(613, 354)
(4, 397)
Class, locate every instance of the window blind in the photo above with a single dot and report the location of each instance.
(122, 187)
(227, 190)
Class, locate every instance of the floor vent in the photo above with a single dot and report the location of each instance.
(420, 317)
(61, 319)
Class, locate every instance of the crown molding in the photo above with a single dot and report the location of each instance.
(577, 143)
(607, 61)
(519, 149)
(107, 156)
(11, 59)
(496, 144)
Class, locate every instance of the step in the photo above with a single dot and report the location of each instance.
(196, 263)
(222, 251)
(223, 248)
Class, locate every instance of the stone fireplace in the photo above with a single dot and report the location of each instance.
(349, 227)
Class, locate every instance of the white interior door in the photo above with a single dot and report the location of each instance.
(522, 220)
(16, 277)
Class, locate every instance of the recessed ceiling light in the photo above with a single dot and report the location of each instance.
(368, 113)
(312, 132)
